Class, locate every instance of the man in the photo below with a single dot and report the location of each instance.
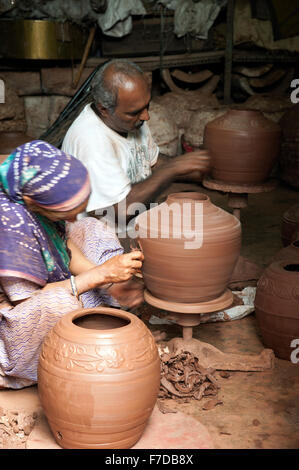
(112, 138)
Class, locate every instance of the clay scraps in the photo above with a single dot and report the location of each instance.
(183, 379)
(15, 427)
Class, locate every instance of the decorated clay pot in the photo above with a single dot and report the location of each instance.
(244, 146)
(290, 252)
(290, 225)
(190, 248)
(98, 378)
(277, 307)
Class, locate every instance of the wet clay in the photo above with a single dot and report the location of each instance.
(98, 379)
(244, 146)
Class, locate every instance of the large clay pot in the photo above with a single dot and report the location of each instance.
(98, 378)
(195, 131)
(244, 146)
(190, 248)
(290, 225)
(290, 252)
(277, 307)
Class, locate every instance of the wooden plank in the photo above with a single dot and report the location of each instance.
(229, 51)
(153, 62)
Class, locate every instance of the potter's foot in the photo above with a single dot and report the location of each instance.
(209, 356)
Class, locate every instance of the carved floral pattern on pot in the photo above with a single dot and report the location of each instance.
(277, 306)
(283, 292)
(98, 378)
(99, 358)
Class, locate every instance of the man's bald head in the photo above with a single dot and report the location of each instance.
(115, 74)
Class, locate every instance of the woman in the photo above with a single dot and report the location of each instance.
(43, 269)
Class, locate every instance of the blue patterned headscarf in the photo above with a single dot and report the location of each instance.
(31, 246)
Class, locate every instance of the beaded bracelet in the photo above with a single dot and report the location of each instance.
(74, 287)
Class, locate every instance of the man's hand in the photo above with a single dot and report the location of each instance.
(192, 165)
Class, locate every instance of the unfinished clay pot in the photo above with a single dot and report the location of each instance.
(190, 248)
(244, 146)
(277, 307)
(290, 225)
(98, 378)
(194, 133)
(290, 252)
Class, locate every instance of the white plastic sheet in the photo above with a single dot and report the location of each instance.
(228, 314)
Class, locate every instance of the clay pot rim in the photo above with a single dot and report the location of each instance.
(109, 311)
(195, 196)
(291, 213)
(281, 265)
(275, 127)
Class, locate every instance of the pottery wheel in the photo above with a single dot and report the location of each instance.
(238, 193)
(188, 316)
(223, 301)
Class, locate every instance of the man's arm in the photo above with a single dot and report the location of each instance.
(190, 166)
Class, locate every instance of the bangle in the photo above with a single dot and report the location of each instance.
(74, 287)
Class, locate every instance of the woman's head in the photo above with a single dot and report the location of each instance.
(47, 180)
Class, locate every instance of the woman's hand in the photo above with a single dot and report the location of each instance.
(120, 268)
(128, 293)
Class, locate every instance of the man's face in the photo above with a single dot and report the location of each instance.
(132, 107)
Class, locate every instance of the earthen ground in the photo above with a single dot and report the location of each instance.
(259, 410)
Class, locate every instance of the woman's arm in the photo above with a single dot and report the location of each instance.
(79, 263)
(117, 269)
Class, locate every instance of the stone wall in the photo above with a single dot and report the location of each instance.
(35, 99)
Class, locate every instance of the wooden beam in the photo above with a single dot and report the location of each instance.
(229, 51)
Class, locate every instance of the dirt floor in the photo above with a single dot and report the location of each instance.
(259, 410)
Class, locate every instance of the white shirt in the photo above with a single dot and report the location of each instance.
(114, 162)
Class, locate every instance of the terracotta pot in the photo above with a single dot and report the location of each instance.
(277, 307)
(290, 225)
(244, 146)
(290, 252)
(195, 131)
(98, 378)
(190, 247)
